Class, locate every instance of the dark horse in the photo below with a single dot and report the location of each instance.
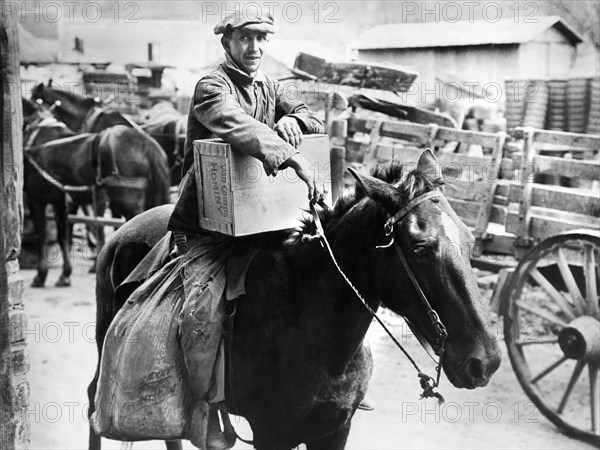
(86, 114)
(120, 164)
(81, 114)
(165, 124)
(299, 366)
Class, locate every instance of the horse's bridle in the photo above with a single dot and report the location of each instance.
(440, 330)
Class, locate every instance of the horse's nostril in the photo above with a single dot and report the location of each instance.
(474, 368)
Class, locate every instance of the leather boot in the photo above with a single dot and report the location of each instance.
(215, 439)
(198, 425)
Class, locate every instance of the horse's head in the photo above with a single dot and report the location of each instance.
(436, 246)
(33, 112)
(44, 94)
(30, 109)
(66, 106)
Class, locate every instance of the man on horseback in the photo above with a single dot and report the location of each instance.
(240, 104)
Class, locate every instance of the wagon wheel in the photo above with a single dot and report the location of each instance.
(552, 331)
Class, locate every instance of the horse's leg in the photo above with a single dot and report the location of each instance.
(71, 209)
(64, 240)
(335, 441)
(174, 445)
(100, 208)
(38, 214)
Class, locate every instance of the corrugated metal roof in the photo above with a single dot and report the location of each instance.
(461, 33)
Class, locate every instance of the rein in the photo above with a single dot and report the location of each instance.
(428, 384)
(90, 119)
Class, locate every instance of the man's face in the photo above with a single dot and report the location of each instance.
(247, 49)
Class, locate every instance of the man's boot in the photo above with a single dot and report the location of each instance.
(215, 439)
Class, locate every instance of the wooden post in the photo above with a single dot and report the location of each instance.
(337, 156)
(527, 172)
(14, 424)
(485, 213)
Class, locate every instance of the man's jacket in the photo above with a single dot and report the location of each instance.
(241, 110)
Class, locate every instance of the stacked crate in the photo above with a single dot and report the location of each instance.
(560, 105)
(515, 103)
(593, 124)
(577, 104)
(526, 103)
(557, 105)
(536, 102)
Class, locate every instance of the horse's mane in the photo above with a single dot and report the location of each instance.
(76, 98)
(411, 184)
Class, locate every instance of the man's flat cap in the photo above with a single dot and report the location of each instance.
(262, 23)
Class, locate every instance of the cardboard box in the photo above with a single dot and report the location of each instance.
(236, 197)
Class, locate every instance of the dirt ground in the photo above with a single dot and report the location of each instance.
(60, 335)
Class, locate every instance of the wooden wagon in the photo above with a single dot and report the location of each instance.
(541, 241)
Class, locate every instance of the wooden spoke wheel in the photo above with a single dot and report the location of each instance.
(552, 331)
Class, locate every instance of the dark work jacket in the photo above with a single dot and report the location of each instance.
(241, 110)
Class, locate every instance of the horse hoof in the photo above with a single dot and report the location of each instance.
(63, 282)
(37, 283)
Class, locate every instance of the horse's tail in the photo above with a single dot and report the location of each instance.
(159, 185)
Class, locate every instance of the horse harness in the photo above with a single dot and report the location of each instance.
(90, 119)
(94, 113)
(113, 178)
(36, 127)
(428, 384)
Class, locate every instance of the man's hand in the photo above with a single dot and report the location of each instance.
(316, 191)
(289, 130)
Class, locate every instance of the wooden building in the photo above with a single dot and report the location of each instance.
(478, 53)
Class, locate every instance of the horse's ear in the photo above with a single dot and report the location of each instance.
(377, 189)
(50, 82)
(429, 165)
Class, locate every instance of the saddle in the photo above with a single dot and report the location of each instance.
(172, 245)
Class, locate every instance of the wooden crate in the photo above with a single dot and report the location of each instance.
(237, 198)
(472, 181)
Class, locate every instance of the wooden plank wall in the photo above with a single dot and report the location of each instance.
(14, 388)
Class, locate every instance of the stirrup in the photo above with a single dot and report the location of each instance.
(220, 440)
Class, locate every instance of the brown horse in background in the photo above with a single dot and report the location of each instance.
(165, 124)
(80, 114)
(123, 167)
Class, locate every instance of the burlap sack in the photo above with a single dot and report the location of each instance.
(143, 389)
